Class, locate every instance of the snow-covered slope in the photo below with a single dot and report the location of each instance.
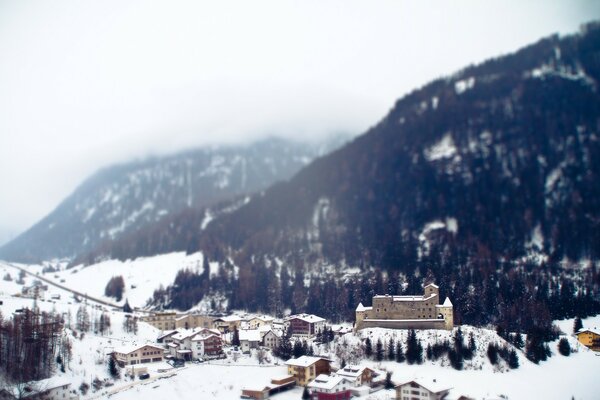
(142, 276)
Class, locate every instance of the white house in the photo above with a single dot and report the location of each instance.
(304, 325)
(249, 339)
(138, 354)
(357, 375)
(337, 387)
(427, 389)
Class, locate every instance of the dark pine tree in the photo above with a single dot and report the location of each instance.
(399, 353)
(368, 348)
(379, 350)
(235, 340)
(577, 325)
(563, 347)
(391, 350)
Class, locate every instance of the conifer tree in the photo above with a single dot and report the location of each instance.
(391, 350)
(400, 358)
(235, 339)
(368, 348)
(379, 350)
(577, 325)
(113, 368)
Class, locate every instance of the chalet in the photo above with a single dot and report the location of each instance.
(304, 325)
(270, 338)
(421, 389)
(407, 312)
(167, 336)
(191, 344)
(589, 338)
(304, 369)
(228, 324)
(249, 339)
(52, 388)
(325, 387)
(357, 375)
(258, 321)
(207, 346)
(141, 354)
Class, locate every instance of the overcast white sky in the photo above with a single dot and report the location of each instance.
(87, 84)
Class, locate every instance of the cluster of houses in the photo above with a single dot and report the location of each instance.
(324, 383)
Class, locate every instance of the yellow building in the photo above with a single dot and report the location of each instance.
(304, 369)
(589, 338)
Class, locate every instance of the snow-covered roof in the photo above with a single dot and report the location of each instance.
(167, 333)
(433, 284)
(201, 338)
(39, 386)
(447, 302)
(133, 347)
(251, 335)
(231, 318)
(353, 371)
(360, 307)
(326, 382)
(593, 330)
(304, 361)
(430, 384)
(264, 318)
(310, 318)
(407, 298)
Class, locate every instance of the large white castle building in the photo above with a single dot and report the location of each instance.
(407, 312)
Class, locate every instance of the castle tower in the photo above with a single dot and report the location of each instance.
(430, 289)
(447, 311)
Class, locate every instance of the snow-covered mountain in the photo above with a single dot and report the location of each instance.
(120, 199)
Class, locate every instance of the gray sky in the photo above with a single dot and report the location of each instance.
(87, 84)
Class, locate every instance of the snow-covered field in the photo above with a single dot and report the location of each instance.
(142, 276)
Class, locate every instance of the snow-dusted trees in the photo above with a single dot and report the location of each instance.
(82, 319)
(31, 343)
(130, 324)
(115, 287)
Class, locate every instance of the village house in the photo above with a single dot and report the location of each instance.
(228, 324)
(167, 337)
(164, 321)
(407, 312)
(258, 321)
(140, 354)
(35, 291)
(589, 338)
(168, 321)
(46, 389)
(325, 387)
(192, 344)
(264, 392)
(357, 375)
(190, 321)
(270, 339)
(304, 369)
(209, 346)
(421, 389)
(249, 339)
(304, 325)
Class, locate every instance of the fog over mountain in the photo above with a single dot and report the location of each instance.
(86, 85)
